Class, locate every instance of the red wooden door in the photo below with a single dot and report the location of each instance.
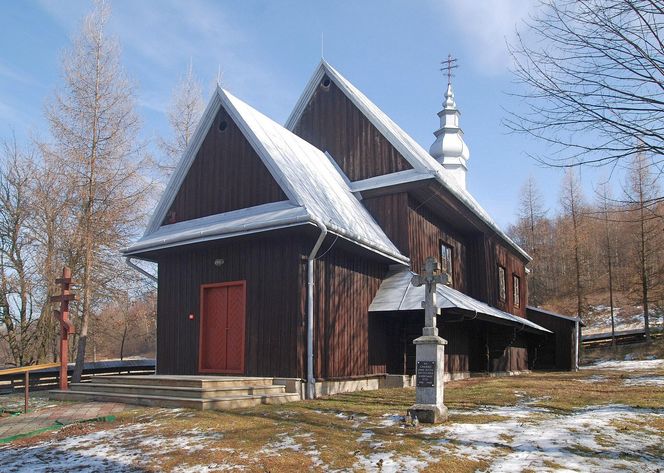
(222, 328)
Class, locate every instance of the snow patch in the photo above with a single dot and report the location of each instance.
(627, 365)
(645, 381)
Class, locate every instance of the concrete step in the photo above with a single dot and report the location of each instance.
(198, 381)
(179, 391)
(226, 402)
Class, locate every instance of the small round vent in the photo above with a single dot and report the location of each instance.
(223, 125)
(326, 82)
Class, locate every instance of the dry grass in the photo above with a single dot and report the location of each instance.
(327, 430)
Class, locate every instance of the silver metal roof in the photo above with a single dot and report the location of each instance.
(315, 189)
(421, 161)
(397, 293)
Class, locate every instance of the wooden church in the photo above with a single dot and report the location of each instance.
(287, 251)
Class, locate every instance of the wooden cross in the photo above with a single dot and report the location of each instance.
(429, 278)
(66, 327)
(449, 64)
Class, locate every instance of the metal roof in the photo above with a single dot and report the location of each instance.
(397, 293)
(316, 191)
(571, 318)
(421, 161)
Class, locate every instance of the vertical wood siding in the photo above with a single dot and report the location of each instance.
(556, 351)
(345, 286)
(226, 175)
(271, 269)
(500, 255)
(425, 233)
(332, 123)
(391, 212)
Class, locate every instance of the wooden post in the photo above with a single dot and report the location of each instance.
(66, 327)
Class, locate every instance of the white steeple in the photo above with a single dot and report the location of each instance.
(449, 149)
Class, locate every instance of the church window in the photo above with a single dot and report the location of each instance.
(516, 288)
(501, 284)
(446, 261)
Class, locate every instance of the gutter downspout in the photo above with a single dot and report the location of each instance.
(134, 266)
(311, 386)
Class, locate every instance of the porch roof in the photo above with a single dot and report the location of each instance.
(397, 293)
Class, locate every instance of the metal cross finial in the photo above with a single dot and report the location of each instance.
(449, 64)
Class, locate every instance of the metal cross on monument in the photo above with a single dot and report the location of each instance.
(66, 327)
(429, 278)
(430, 351)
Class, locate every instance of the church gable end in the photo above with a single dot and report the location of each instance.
(227, 174)
(332, 123)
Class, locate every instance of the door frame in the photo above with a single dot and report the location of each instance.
(243, 284)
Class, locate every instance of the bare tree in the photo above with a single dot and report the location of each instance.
(16, 271)
(529, 233)
(94, 127)
(572, 202)
(592, 77)
(605, 206)
(641, 189)
(183, 115)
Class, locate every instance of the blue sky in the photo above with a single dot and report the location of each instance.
(267, 51)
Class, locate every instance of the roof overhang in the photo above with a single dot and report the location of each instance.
(397, 293)
(571, 318)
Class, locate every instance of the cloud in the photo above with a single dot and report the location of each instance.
(13, 74)
(485, 26)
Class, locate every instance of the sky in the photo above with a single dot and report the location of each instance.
(266, 52)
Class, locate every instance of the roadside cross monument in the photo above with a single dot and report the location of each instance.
(430, 351)
(66, 327)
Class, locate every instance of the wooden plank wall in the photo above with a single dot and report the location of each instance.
(500, 255)
(345, 286)
(557, 351)
(226, 175)
(273, 323)
(425, 233)
(391, 212)
(332, 123)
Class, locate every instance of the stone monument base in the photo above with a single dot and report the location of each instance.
(428, 413)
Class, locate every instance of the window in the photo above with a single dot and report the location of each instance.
(516, 289)
(501, 283)
(446, 261)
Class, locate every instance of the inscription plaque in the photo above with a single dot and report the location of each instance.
(425, 374)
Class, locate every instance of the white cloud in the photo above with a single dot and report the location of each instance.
(484, 26)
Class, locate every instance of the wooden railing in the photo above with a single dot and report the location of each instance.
(46, 376)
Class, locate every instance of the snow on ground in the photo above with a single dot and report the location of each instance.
(121, 449)
(593, 379)
(587, 440)
(518, 437)
(645, 381)
(628, 365)
(599, 319)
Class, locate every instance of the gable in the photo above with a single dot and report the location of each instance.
(332, 123)
(226, 174)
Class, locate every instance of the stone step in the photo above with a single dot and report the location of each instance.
(179, 391)
(198, 381)
(225, 402)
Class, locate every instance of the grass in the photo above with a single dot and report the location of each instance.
(328, 429)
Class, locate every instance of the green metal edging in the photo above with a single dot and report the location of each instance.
(55, 426)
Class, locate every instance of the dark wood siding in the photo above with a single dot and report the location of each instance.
(556, 350)
(345, 286)
(425, 233)
(499, 255)
(271, 268)
(226, 175)
(391, 212)
(332, 123)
